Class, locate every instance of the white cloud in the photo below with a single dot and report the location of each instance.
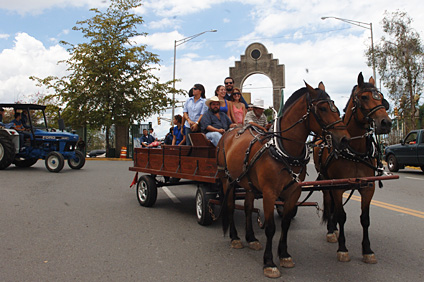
(37, 7)
(159, 41)
(164, 23)
(4, 36)
(27, 57)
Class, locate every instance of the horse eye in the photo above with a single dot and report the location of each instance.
(364, 98)
(323, 109)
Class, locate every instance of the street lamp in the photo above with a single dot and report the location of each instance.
(366, 26)
(178, 43)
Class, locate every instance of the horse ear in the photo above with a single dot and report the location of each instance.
(360, 80)
(311, 90)
(372, 81)
(321, 86)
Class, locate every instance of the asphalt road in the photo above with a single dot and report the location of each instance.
(88, 226)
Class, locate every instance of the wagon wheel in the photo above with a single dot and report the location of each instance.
(203, 195)
(147, 191)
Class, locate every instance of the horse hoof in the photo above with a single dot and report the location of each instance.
(272, 272)
(331, 238)
(255, 245)
(286, 262)
(236, 244)
(369, 258)
(343, 256)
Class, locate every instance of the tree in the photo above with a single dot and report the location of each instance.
(110, 80)
(399, 60)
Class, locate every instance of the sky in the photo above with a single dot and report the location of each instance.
(311, 49)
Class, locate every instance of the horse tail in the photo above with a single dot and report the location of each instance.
(224, 207)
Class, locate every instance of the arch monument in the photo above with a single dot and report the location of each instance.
(257, 60)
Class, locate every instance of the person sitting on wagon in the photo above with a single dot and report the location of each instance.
(146, 140)
(178, 136)
(214, 122)
(256, 116)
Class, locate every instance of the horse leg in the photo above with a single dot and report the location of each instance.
(328, 217)
(340, 215)
(288, 212)
(368, 255)
(248, 208)
(270, 269)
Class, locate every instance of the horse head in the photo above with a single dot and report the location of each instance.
(369, 106)
(325, 119)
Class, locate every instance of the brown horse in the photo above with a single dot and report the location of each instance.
(365, 113)
(276, 173)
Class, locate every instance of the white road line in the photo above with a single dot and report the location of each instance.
(413, 178)
(170, 195)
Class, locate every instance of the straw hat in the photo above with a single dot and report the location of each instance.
(258, 103)
(214, 99)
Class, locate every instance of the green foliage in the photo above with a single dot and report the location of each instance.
(399, 59)
(110, 78)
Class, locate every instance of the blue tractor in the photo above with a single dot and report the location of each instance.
(24, 149)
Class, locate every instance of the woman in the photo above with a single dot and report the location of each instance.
(194, 108)
(238, 109)
(178, 137)
(221, 92)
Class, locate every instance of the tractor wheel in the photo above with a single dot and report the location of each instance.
(78, 161)
(392, 163)
(54, 161)
(7, 152)
(147, 191)
(25, 162)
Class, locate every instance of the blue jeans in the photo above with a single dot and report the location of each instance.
(187, 132)
(214, 137)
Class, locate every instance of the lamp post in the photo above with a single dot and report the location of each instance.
(366, 26)
(178, 43)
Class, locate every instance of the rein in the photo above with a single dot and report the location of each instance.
(275, 147)
(373, 150)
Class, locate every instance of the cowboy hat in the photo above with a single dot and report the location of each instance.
(214, 99)
(258, 103)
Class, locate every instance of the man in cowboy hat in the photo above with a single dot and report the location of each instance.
(257, 117)
(214, 122)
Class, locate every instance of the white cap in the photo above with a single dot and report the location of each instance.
(258, 103)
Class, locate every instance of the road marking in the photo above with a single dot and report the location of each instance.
(170, 195)
(400, 209)
(413, 178)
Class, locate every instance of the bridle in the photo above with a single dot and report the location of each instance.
(367, 113)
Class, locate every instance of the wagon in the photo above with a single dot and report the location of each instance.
(196, 164)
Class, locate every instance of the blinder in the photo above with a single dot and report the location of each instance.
(386, 104)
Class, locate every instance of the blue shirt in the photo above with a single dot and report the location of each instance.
(225, 108)
(210, 119)
(177, 133)
(194, 109)
(148, 139)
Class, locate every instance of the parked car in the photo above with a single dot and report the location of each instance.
(410, 152)
(97, 153)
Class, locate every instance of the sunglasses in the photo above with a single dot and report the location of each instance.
(194, 88)
(228, 83)
(236, 93)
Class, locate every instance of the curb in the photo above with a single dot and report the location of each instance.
(108, 159)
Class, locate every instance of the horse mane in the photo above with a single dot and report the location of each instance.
(322, 95)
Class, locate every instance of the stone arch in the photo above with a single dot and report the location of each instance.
(257, 60)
